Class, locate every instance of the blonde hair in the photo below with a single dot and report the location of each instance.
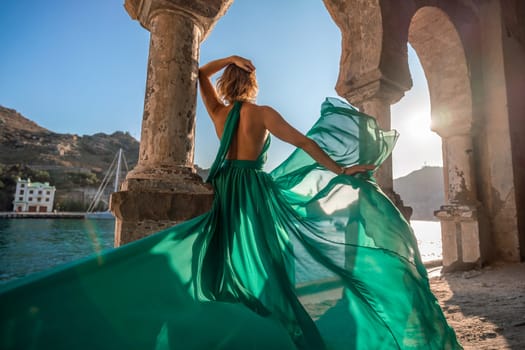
(236, 84)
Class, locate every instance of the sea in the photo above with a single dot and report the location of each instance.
(28, 246)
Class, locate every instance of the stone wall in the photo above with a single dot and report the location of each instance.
(497, 182)
(513, 13)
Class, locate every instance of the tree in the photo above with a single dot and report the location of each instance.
(9, 175)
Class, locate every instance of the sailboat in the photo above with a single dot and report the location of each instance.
(113, 172)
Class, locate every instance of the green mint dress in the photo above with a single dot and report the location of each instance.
(227, 279)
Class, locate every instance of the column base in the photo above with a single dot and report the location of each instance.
(398, 202)
(148, 205)
(461, 238)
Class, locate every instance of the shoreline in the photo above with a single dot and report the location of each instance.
(36, 215)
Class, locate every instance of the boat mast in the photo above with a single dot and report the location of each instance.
(118, 170)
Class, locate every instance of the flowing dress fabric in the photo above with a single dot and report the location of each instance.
(230, 278)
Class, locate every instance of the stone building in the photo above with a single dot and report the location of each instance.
(472, 52)
(33, 196)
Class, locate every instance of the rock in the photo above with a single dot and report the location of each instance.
(471, 274)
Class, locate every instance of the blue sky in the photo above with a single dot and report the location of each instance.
(80, 67)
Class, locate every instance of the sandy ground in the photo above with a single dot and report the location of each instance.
(486, 307)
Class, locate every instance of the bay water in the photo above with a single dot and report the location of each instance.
(31, 245)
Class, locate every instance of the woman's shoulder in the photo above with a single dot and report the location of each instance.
(258, 108)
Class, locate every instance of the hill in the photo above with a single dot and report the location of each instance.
(68, 161)
(423, 191)
(24, 142)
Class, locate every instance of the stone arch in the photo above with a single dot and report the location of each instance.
(374, 69)
(441, 53)
(440, 50)
(373, 49)
(361, 45)
(375, 74)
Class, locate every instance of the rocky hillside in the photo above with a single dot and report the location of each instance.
(69, 162)
(24, 142)
(423, 191)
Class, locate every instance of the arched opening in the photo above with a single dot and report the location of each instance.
(440, 50)
(417, 162)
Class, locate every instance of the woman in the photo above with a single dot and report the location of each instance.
(227, 279)
(386, 301)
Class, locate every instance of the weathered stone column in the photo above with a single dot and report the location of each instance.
(460, 182)
(372, 75)
(168, 124)
(377, 104)
(461, 231)
(163, 188)
(380, 109)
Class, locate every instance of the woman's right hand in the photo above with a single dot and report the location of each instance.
(208, 92)
(243, 63)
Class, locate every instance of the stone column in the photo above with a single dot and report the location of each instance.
(373, 71)
(163, 188)
(460, 182)
(461, 231)
(378, 106)
(380, 109)
(168, 124)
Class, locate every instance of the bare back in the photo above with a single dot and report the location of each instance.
(256, 122)
(248, 143)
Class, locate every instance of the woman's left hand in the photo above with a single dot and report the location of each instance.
(358, 168)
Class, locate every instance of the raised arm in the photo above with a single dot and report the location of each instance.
(276, 124)
(208, 92)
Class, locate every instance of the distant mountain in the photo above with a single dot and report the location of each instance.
(423, 191)
(74, 164)
(24, 142)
